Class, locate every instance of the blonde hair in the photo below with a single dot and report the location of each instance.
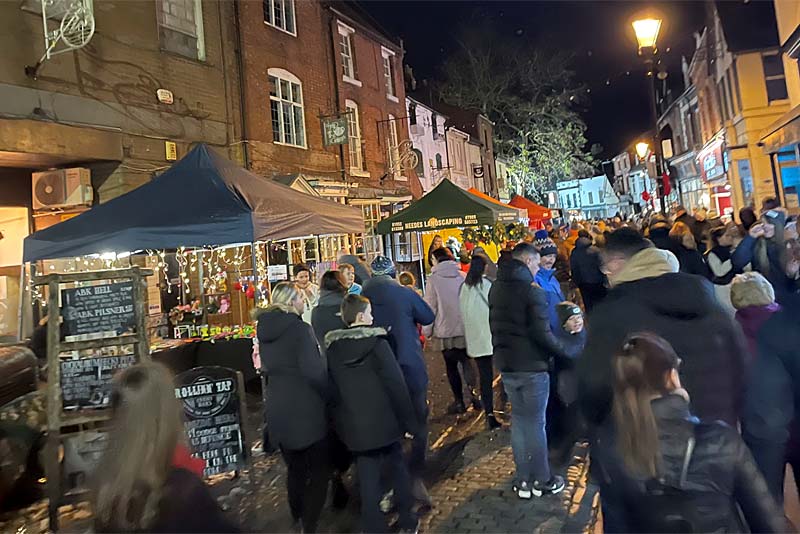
(147, 425)
(751, 289)
(682, 231)
(285, 293)
(406, 279)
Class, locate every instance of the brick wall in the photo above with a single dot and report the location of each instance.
(308, 56)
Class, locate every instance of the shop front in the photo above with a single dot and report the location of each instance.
(714, 191)
(781, 142)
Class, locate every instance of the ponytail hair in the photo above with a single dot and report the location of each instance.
(640, 371)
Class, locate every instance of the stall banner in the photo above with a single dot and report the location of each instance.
(105, 310)
(212, 402)
(436, 222)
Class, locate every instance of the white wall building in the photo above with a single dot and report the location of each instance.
(597, 198)
(427, 130)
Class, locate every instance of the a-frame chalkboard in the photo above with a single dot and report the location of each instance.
(95, 316)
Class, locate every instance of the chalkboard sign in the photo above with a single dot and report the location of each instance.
(86, 383)
(212, 403)
(104, 309)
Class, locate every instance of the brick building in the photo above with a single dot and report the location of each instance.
(155, 72)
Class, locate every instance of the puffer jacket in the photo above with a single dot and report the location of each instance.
(650, 295)
(441, 294)
(721, 475)
(546, 278)
(521, 334)
(585, 264)
(399, 310)
(372, 407)
(327, 316)
(474, 302)
(297, 386)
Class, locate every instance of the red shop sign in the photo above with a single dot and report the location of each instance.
(711, 162)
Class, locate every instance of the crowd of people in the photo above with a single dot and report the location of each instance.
(684, 376)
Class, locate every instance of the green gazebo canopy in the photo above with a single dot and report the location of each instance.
(447, 206)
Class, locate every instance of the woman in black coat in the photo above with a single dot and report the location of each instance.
(685, 248)
(670, 472)
(297, 392)
(327, 315)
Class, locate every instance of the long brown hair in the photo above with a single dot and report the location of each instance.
(640, 372)
(146, 427)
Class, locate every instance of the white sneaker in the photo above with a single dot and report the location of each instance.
(523, 490)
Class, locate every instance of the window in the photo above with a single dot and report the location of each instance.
(346, 50)
(280, 14)
(372, 242)
(591, 198)
(435, 125)
(420, 168)
(286, 106)
(438, 162)
(355, 148)
(774, 76)
(601, 194)
(388, 73)
(406, 247)
(575, 199)
(180, 27)
(394, 152)
(412, 113)
(723, 99)
(457, 163)
(729, 89)
(569, 201)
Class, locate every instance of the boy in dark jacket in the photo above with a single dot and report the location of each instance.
(373, 410)
(572, 336)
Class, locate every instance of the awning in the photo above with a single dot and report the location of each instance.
(447, 206)
(535, 211)
(782, 133)
(523, 214)
(204, 199)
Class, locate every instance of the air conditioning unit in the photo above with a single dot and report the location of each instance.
(62, 188)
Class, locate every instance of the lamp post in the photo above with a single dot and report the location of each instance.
(646, 30)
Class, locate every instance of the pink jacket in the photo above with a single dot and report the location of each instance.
(441, 294)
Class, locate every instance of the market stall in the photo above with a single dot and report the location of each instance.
(538, 215)
(454, 211)
(208, 228)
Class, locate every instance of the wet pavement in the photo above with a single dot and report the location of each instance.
(469, 478)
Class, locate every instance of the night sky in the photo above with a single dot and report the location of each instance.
(598, 34)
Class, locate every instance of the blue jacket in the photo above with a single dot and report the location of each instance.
(546, 278)
(399, 309)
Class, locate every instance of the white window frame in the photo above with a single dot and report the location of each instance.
(271, 15)
(355, 146)
(459, 151)
(389, 74)
(199, 34)
(286, 76)
(349, 58)
(393, 147)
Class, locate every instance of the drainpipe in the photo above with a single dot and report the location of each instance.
(242, 101)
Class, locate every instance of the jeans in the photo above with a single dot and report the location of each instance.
(419, 446)
(528, 393)
(370, 466)
(452, 359)
(486, 373)
(308, 472)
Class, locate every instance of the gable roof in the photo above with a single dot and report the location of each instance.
(748, 26)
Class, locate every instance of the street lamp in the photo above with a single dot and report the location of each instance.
(641, 149)
(646, 30)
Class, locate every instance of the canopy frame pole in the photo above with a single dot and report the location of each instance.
(267, 245)
(422, 258)
(254, 262)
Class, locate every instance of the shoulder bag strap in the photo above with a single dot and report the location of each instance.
(687, 459)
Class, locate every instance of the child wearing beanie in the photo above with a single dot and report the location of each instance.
(754, 299)
(572, 336)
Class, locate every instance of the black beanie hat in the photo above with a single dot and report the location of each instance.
(565, 310)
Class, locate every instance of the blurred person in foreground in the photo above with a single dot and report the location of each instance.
(297, 391)
(666, 470)
(138, 486)
(772, 402)
(399, 311)
(524, 345)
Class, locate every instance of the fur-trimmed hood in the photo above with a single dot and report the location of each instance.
(356, 332)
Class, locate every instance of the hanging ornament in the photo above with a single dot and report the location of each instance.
(667, 184)
(646, 196)
(251, 292)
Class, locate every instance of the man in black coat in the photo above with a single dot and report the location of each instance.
(649, 294)
(523, 349)
(585, 265)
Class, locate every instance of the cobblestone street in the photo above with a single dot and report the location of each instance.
(469, 479)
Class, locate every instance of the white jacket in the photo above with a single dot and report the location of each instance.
(474, 302)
